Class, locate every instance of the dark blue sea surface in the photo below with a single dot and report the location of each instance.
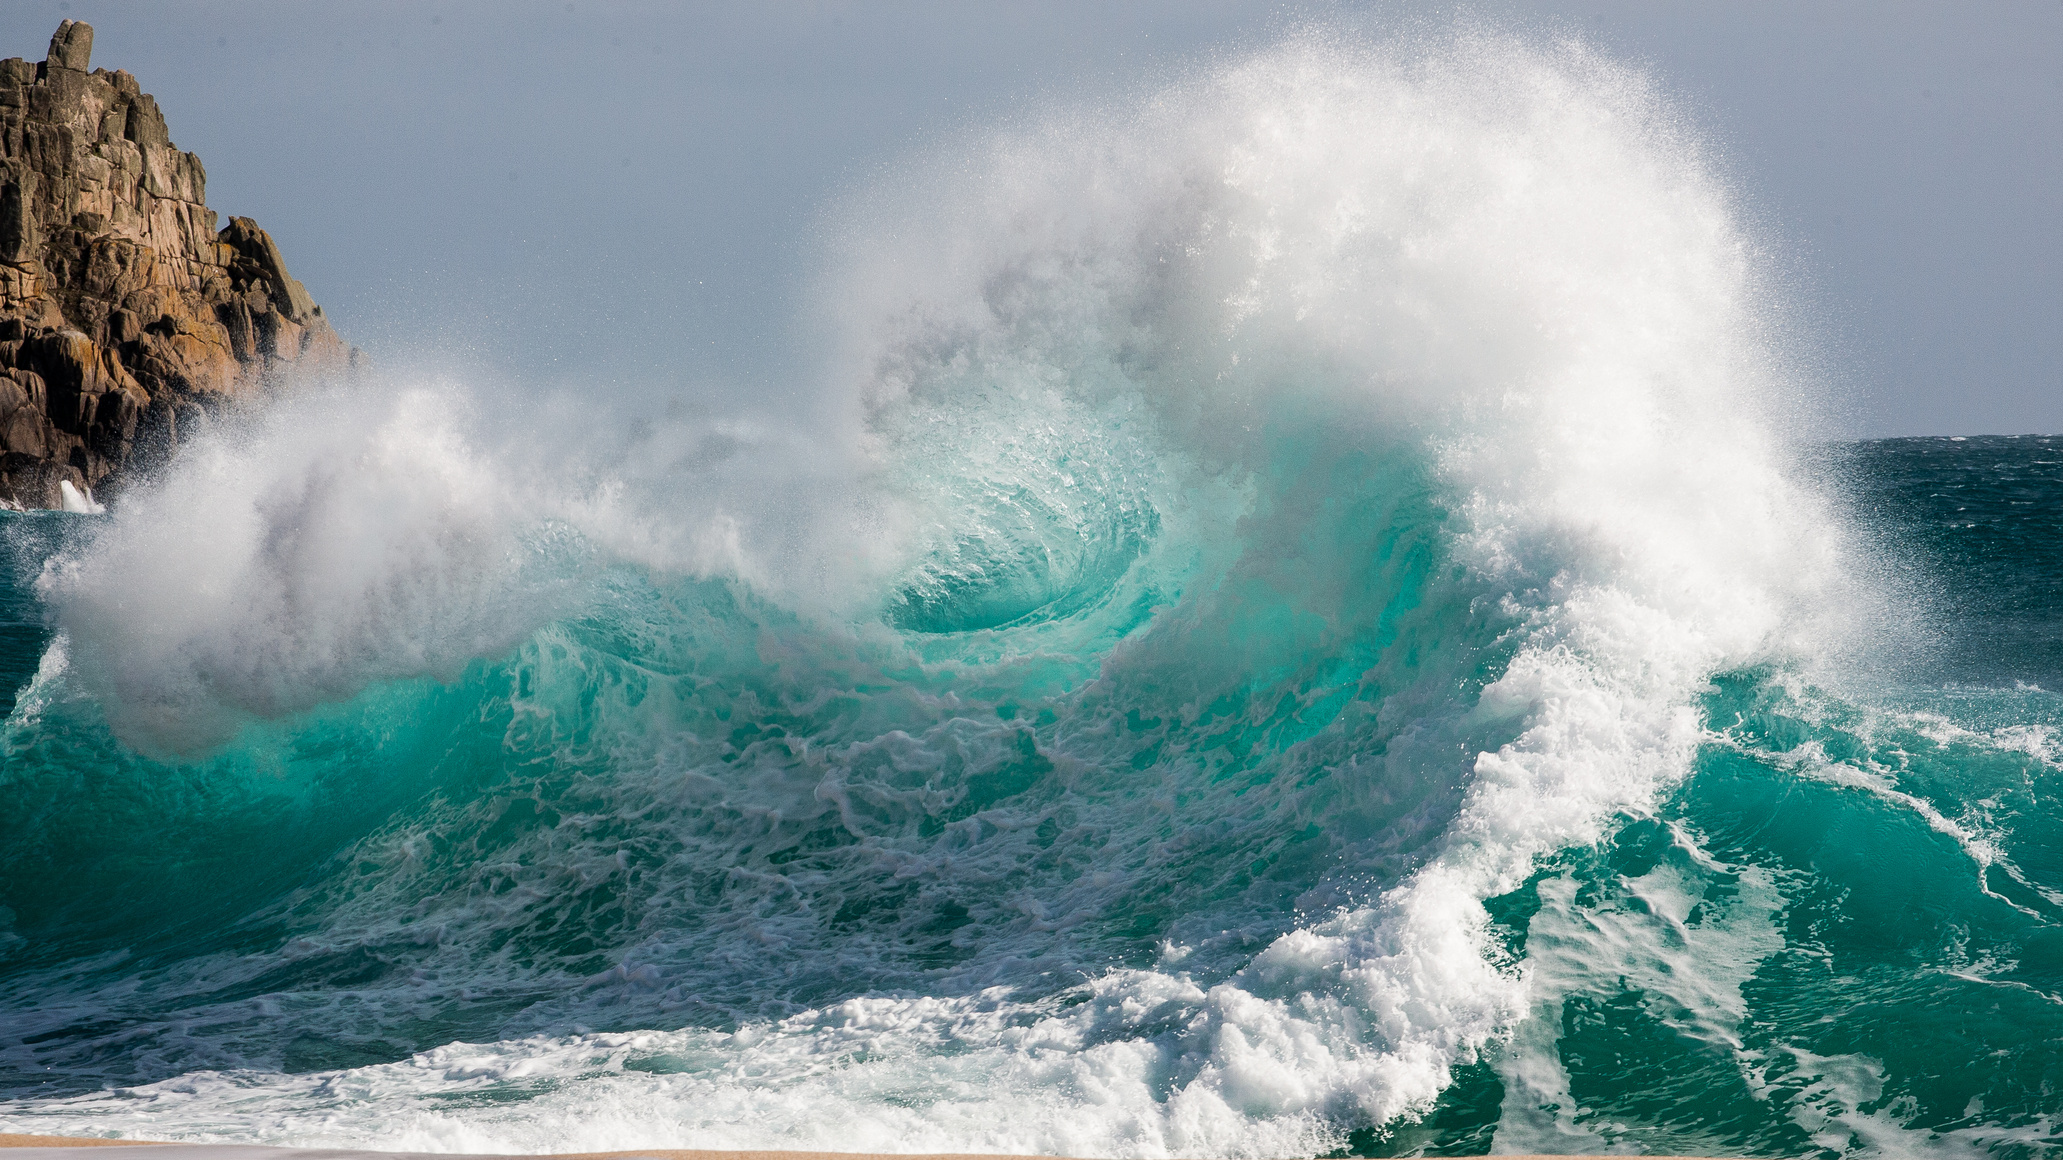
(1980, 524)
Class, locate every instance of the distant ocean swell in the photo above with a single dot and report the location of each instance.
(1293, 627)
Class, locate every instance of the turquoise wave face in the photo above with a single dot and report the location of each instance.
(750, 814)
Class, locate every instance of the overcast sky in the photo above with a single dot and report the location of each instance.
(623, 194)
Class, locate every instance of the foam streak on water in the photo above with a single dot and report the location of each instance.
(1287, 581)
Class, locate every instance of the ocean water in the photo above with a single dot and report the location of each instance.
(1302, 615)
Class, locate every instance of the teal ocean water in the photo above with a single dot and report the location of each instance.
(1296, 621)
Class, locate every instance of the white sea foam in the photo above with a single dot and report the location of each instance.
(1685, 947)
(290, 560)
(76, 501)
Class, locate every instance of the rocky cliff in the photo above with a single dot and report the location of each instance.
(124, 314)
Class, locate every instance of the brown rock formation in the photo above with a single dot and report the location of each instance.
(123, 313)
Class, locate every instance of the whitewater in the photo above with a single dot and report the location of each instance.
(1296, 618)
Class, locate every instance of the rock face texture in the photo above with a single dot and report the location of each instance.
(124, 313)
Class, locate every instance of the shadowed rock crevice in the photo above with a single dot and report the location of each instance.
(124, 313)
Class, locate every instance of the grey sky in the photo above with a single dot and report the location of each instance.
(623, 194)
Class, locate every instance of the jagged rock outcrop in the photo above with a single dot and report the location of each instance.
(124, 313)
